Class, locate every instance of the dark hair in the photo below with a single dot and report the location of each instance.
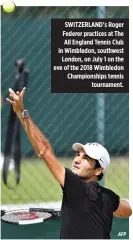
(97, 165)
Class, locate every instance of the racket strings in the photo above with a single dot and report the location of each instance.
(16, 217)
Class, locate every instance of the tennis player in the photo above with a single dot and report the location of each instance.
(87, 208)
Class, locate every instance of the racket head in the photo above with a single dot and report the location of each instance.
(28, 216)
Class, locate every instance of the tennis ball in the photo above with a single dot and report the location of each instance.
(8, 6)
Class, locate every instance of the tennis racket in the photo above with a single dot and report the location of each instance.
(28, 216)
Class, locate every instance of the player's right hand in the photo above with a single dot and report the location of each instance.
(17, 100)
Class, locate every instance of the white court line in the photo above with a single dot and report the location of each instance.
(53, 205)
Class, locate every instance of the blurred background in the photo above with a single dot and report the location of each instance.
(64, 118)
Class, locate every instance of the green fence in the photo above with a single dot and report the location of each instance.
(65, 118)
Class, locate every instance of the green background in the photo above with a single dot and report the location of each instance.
(51, 230)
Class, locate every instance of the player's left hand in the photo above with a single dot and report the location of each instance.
(17, 100)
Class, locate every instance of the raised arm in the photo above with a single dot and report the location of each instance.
(39, 142)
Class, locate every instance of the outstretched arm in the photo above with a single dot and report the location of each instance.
(39, 142)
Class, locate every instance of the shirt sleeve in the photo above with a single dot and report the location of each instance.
(74, 187)
(115, 200)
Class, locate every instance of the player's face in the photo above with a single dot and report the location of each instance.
(83, 166)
